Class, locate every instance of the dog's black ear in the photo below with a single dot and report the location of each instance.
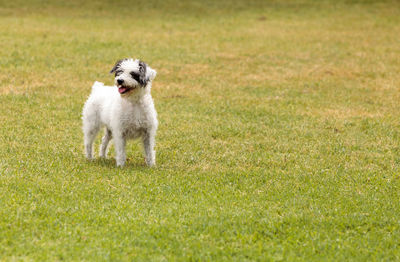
(117, 65)
(142, 73)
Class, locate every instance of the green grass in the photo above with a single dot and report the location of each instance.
(279, 134)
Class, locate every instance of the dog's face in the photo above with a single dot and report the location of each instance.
(132, 75)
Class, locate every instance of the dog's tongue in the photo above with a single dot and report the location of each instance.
(121, 90)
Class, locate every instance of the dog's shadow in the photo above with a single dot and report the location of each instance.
(111, 163)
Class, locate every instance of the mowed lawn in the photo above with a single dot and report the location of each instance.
(279, 135)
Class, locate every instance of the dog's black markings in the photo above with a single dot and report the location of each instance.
(141, 76)
(117, 65)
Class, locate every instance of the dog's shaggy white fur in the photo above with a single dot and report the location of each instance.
(126, 110)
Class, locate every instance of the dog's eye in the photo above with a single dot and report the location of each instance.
(135, 76)
(117, 73)
(139, 78)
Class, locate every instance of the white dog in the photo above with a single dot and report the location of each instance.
(126, 110)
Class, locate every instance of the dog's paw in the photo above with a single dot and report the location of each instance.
(89, 158)
(150, 163)
(120, 164)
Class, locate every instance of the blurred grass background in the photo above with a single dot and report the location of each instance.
(278, 138)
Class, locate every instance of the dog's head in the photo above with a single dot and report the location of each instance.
(132, 75)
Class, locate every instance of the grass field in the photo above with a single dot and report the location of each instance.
(279, 134)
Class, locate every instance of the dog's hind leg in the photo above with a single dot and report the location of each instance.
(89, 138)
(91, 126)
(104, 142)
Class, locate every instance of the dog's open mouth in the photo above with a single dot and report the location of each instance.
(124, 89)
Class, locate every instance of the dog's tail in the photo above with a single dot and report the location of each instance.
(96, 85)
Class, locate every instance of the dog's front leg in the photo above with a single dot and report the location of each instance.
(119, 143)
(148, 144)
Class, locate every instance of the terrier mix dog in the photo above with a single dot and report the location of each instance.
(126, 110)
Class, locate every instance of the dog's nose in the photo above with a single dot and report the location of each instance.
(120, 81)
